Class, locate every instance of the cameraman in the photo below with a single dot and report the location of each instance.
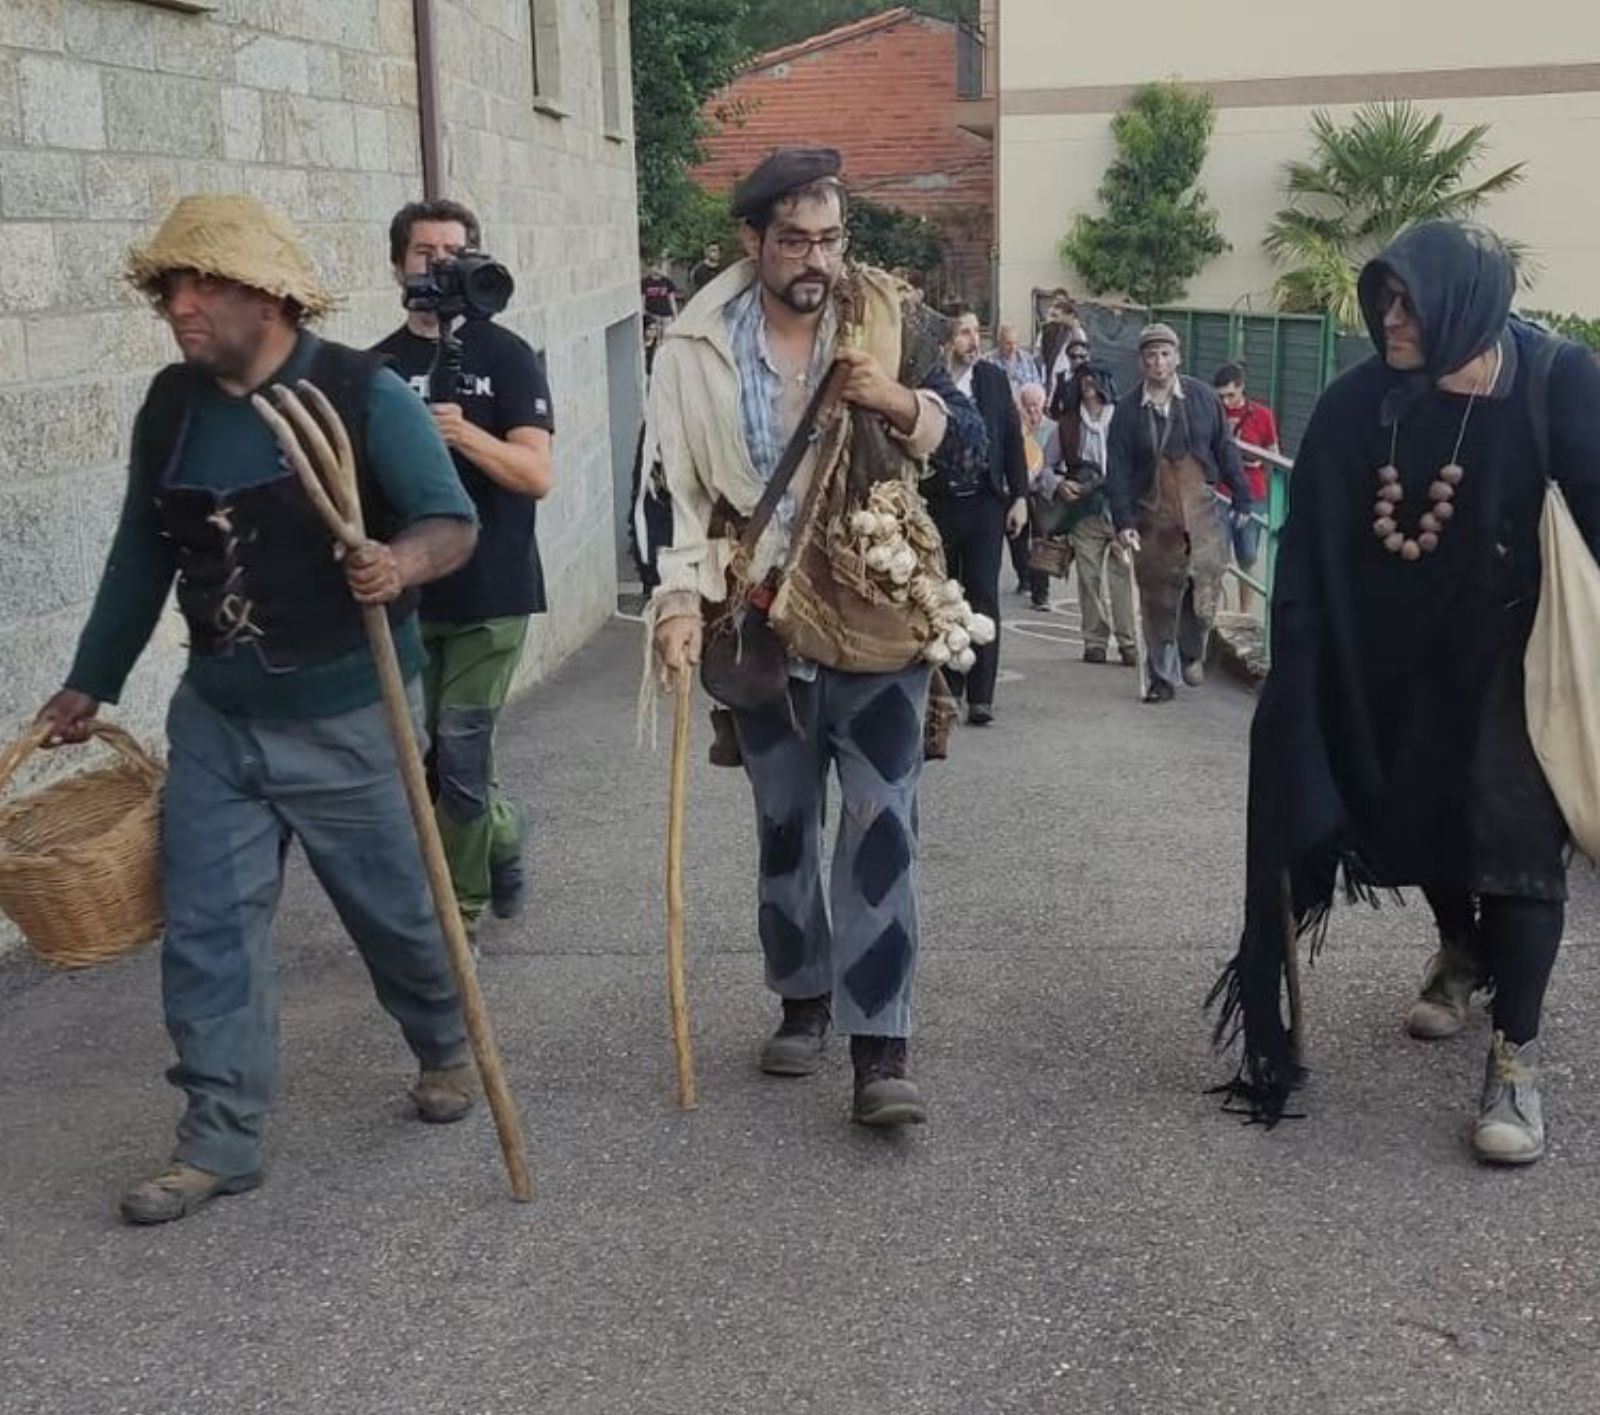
(498, 426)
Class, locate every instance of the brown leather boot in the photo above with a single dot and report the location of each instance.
(885, 1095)
(797, 1047)
(178, 1191)
(445, 1095)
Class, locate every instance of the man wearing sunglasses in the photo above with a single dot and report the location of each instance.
(733, 384)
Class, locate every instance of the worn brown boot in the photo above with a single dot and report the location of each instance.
(178, 1191)
(800, 1043)
(885, 1094)
(446, 1095)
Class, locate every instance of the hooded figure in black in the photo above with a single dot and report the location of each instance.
(1390, 743)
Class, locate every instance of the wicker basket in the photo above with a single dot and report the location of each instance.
(80, 870)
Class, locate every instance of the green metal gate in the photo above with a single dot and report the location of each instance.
(1288, 358)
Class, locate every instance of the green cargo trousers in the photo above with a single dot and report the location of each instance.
(469, 673)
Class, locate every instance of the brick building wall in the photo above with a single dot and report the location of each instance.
(883, 91)
(112, 109)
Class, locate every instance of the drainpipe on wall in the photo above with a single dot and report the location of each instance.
(428, 120)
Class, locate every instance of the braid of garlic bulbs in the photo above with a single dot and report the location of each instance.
(894, 534)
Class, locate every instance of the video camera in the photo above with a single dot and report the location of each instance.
(468, 285)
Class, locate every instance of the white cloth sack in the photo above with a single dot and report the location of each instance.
(1563, 672)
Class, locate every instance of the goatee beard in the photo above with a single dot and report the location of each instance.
(804, 296)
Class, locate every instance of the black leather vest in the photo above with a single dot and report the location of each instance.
(256, 567)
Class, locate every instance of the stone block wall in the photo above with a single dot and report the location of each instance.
(112, 109)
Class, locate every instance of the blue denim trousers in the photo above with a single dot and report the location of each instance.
(238, 792)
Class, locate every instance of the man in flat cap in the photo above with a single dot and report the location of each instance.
(1170, 446)
(277, 731)
(835, 575)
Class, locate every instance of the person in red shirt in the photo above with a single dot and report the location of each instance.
(1252, 423)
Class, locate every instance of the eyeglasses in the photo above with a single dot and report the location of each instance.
(1389, 296)
(795, 247)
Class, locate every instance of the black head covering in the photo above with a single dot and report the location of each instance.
(781, 171)
(1461, 281)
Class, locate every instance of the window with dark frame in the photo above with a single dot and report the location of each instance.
(610, 65)
(544, 46)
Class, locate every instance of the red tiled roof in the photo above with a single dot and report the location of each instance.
(843, 34)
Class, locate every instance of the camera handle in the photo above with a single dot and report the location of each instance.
(444, 378)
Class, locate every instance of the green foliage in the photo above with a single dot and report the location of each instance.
(893, 239)
(771, 23)
(1577, 327)
(683, 52)
(698, 218)
(1389, 167)
(1158, 229)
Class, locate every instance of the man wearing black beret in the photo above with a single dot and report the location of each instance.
(848, 574)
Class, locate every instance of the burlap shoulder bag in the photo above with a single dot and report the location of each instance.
(828, 608)
(743, 663)
(1562, 666)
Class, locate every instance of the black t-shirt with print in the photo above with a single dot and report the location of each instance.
(658, 292)
(502, 387)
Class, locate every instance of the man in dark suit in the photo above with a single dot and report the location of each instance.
(978, 502)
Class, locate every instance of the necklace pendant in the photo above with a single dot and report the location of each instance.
(1410, 550)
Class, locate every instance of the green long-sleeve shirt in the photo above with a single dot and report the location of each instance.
(228, 447)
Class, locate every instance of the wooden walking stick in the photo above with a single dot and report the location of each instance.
(319, 450)
(1130, 558)
(677, 991)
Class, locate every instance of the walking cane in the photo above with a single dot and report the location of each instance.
(1128, 555)
(329, 478)
(677, 991)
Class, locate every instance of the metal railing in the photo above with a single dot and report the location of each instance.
(1271, 523)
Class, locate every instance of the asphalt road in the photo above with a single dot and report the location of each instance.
(1078, 1230)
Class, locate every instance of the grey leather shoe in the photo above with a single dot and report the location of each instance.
(1510, 1127)
(1440, 1010)
(178, 1191)
(798, 1046)
(884, 1094)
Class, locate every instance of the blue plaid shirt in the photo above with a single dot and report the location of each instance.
(761, 387)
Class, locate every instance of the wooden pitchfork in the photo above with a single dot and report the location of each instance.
(318, 448)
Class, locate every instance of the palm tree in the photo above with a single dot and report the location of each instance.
(1365, 183)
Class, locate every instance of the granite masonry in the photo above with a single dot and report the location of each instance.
(112, 109)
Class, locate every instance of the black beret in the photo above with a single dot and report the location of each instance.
(784, 170)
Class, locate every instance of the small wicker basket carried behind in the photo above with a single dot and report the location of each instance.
(80, 870)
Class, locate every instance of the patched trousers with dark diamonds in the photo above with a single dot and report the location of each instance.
(857, 938)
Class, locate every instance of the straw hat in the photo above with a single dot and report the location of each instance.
(235, 237)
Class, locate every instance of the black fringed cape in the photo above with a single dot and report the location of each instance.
(1390, 745)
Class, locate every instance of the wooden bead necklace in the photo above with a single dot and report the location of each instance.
(1441, 491)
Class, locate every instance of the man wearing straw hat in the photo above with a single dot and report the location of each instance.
(277, 731)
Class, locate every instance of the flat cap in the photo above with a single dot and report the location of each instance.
(781, 171)
(1159, 334)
